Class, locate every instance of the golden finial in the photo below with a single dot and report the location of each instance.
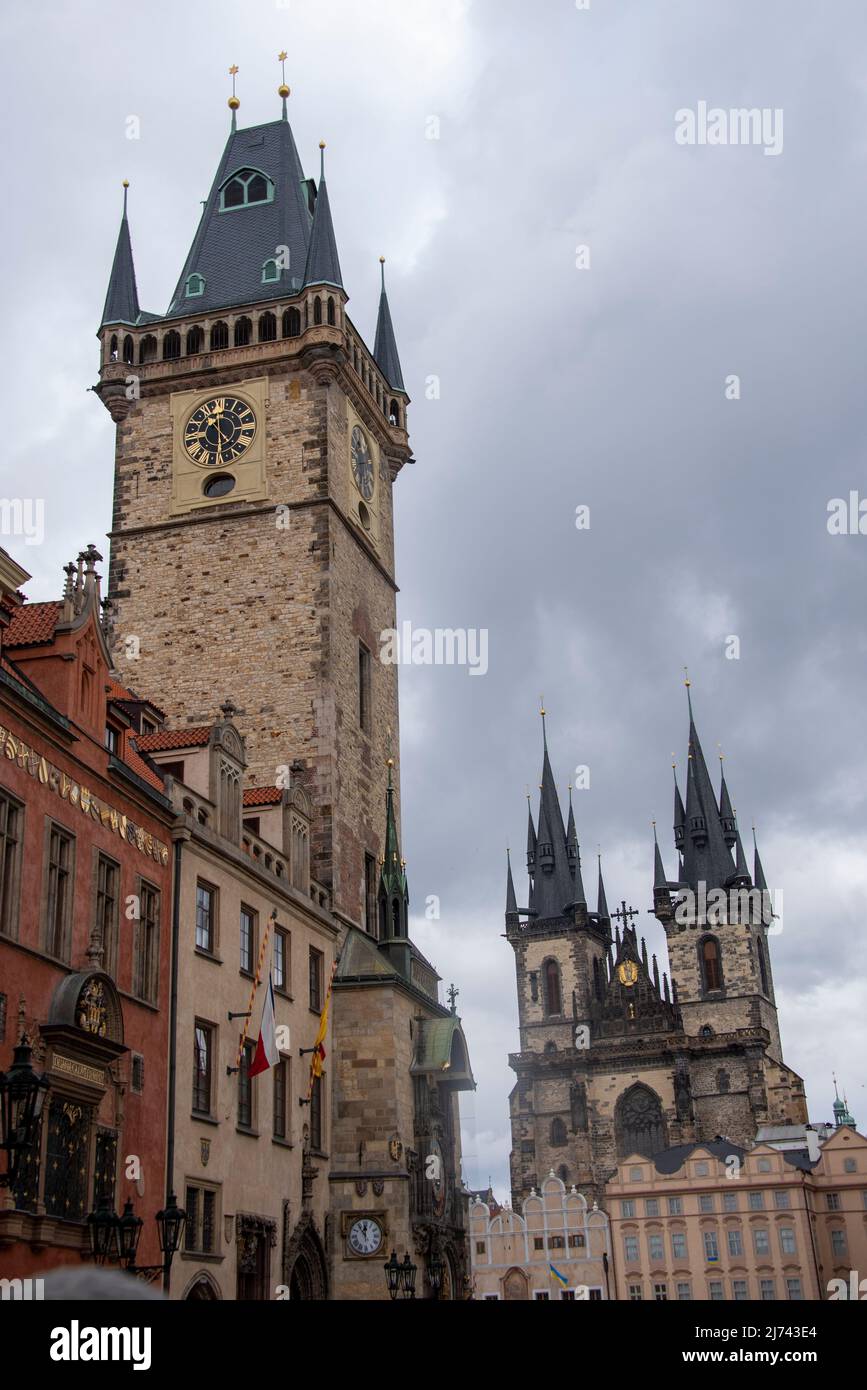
(687, 682)
(282, 90)
(390, 762)
(234, 103)
(126, 183)
(673, 760)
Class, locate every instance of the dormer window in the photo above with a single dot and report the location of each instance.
(245, 188)
(270, 272)
(195, 286)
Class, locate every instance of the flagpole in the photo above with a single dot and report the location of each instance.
(257, 977)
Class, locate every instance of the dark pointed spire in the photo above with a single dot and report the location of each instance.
(323, 266)
(655, 974)
(706, 855)
(660, 879)
(571, 837)
(385, 346)
(393, 894)
(601, 901)
(740, 858)
(393, 877)
(760, 882)
(556, 887)
(727, 816)
(532, 842)
(511, 899)
(679, 813)
(121, 301)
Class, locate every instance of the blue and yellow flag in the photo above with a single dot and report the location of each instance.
(555, 1274)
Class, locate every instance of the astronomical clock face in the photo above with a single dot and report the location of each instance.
(365, 1236)
(219, 431)
(627, 973)
(362, 464)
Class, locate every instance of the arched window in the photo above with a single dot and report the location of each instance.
(550, 1049)
(195, 339)
(558, 1132)
(148, 348)
(112, 348)
(763, 967)
(243, 331)
(331, 311)
(395, 917)
(638, 1122)
(553, 993)
(128, 350)
(171, 346)
(723, 1084)
(291, 323)
(244, 188)
(270, 271)
(705, 1031)
(563, 1174)
(219, 336)
(383, 919)
(394, 413)
(195, 286)
(710, 964)
(317, 310)
(267, 328)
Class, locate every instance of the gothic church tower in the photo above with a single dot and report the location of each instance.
(252, 547)
(614, 1058)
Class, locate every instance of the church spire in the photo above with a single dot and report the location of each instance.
(393, 894)
(706, 856)
(601, 901)
(556, 889)
(511, 899)
(679, 813)
(323, 266)
(121, 301)
(385, 346)
(726, 814)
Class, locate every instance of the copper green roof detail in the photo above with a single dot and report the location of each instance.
(441, 1051)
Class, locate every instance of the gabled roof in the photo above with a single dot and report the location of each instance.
(230, 248)
(33, 624)
(165, 739)
(670, 1160)
(360, 959)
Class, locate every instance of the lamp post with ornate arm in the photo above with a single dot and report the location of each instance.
(22, 1096)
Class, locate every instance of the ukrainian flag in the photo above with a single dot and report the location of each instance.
(555, 1274)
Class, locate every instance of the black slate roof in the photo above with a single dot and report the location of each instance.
(121, 301)
(230, 247)
(323, 266)
(385, 346)
(670, 1160)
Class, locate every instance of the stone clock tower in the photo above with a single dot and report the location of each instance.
(252, 546)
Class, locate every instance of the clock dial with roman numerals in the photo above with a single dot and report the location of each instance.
(365, 1236)
(220, 431)
(362, 464)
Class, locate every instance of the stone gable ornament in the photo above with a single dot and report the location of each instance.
(205, 1151)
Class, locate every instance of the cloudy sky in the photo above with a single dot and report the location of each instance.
(560, 386)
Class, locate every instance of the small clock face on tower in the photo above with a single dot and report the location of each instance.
(219, 431)
(362, 464)
(365, 1236)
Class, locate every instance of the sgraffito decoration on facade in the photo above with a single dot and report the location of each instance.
(16, 750)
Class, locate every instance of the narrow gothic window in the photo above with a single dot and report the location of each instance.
(558, 1132)
(291, 323)
(267, 328)
(195, 340)
(711, 964)
(331, 311)
(597, 978)
(243, 332)
(317, 310)
(553, 997)
(171, 346)
(219, 336)
(763, 967)
(128, 350)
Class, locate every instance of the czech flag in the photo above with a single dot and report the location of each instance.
(267, 1052)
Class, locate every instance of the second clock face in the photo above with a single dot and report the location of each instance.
(362, 464)
(365, 1236)
(219, 431)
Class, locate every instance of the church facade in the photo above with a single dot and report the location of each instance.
(617, 1057)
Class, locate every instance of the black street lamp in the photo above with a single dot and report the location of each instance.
(392, 1275)
(400, 1276)
(436, 1272)
(408, 1271)
(103, 1228)
(116, 1238)
(22, 1096)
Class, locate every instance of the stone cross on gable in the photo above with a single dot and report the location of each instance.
(624, 913)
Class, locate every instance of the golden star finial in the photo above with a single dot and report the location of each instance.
(281, 57)
(233, 69)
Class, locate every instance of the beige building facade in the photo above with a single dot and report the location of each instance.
(715, 1222)
(248, 1155)
(513, 1254)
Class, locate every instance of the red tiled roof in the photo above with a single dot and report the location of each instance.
(137, 764)
(32, 624)
(262, 796)
(173, 738)
(121, 693)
